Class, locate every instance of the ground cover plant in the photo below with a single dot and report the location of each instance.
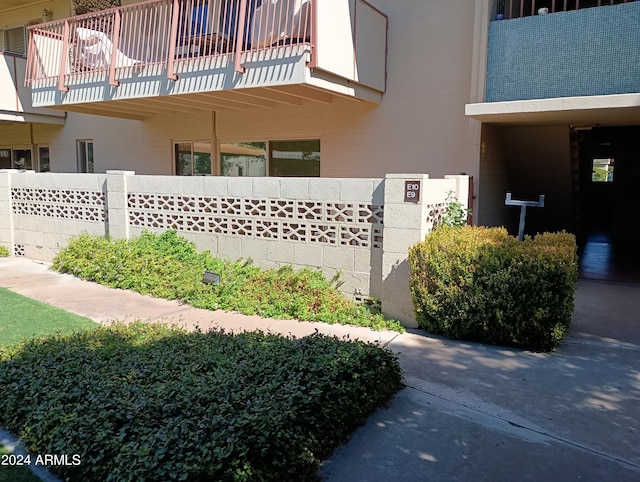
(4, 252)
(148, 402)
(169, 266)
(22, 317)
(481, 284)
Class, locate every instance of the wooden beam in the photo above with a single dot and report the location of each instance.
(102, 112)
(304, 93)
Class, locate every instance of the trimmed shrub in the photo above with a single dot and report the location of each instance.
(4, 252)
(147, 402)
(168, 266)
(481, 284)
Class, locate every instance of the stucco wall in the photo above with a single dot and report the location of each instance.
(494, 181)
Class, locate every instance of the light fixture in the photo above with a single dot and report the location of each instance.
(211, 278)
(46, 15)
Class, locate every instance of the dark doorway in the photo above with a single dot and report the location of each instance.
(609, 187)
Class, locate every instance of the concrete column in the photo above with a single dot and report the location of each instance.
(6, 215)
(117, 209)
(404, 225)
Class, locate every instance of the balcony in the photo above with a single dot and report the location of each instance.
(576, 66)
(15, 98)
(208, 54)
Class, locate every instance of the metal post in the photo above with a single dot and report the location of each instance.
(523, 210)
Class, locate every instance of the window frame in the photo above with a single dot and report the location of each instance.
(268, 148)
(212, 166)
(4, 32)
(84, 164)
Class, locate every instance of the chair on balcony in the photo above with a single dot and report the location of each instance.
(94, 50)
(277, 22)
(198, 37)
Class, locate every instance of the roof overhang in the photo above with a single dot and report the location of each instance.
(600, 110)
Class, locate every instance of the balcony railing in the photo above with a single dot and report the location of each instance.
(526, 8)
(162, 34)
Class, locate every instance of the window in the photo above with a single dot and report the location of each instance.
(43, 159)
(292, 158)
(13, 40)
(243, 159)
(5, 158)
(22, 159)
(602, 170)
(84, 150)
(193, 158)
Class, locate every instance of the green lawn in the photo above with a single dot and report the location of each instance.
(15, 474)
(22, 317)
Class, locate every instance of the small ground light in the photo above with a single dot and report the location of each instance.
(211, 278)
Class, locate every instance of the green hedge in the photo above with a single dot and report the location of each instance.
(147, 402)
(168, 266)
(481, 284)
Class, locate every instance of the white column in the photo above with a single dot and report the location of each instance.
(117, 208)
(6, 215)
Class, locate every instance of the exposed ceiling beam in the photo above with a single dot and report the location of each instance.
(152, 105)
(213, 100)
(106, 113)
(279, 97)
(304, 93)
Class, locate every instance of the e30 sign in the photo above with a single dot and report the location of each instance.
(411, 191)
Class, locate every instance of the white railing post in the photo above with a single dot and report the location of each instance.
(64, 56)
(173, 39)
(241, 18)
(114, 50)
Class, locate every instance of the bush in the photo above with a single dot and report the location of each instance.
(4, 252)
(481, 284)
(147, 402)
(168, 266)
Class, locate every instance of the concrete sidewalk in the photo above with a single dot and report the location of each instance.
(470, 412)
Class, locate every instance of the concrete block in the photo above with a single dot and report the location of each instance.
(308, 254)
(206, 242)
(215, 186)
(404, 216)
(161, 185)
(229, 247)
(294, 188)
(240, 187)
(377, 197)
(355, 283)
(324, 189)
(116, 200)
(339, 258)
(5, 235)
(253, 248)
(25, 222)
(394, 187)
(266, 187)
(363, 259)
(437, 190)
(357, 190)
(400, 240)
(116, 184)
(280, 251)
(192, 185)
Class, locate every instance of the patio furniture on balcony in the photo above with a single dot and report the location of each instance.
(94, 50)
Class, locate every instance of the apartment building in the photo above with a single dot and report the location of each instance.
(525, 95)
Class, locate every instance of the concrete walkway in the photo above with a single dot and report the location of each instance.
(470, 412)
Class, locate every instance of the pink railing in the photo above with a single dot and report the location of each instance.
(526, 8)
(163, 33)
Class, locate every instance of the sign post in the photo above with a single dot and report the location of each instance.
(523, 210)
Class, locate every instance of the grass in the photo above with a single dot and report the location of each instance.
(148, 402)
(13, 473)
(22, 317)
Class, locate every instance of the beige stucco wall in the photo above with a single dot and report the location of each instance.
(11, 17)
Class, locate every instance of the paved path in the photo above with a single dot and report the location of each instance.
(470, 412)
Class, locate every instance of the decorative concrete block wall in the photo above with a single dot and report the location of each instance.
(591, 51)
(360, 228)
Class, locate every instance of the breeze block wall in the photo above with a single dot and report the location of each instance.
(586, 52)
(359, 228)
